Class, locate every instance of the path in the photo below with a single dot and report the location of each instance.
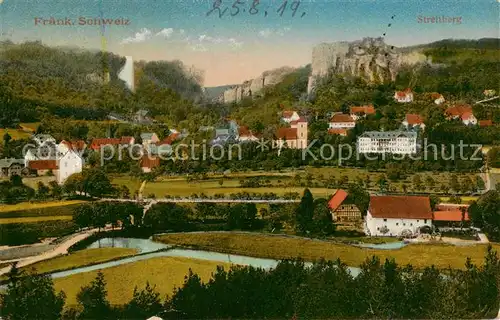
(61, 249)
(483, 238)
(141, 189)
(486, 100)
(190, 200)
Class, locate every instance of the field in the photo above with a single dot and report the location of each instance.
(278, 247)
(33, 219)
(81, 258)
(164, 272)
(16, 134)
(28, 206)
(33, 181)
(281, 182)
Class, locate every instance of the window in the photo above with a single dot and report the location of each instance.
(411, 224)
(385, 220)
(397, 224)
(417, 220)
(425, 221)
(404, 224)
(65, 164)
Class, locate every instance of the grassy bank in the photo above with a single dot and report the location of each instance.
(164, 272)
(277, 247)
(27, 209)
(34, 219)
(81, 258)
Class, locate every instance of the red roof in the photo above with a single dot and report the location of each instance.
(340, 117)
(337, 199)
(149, 162)
(436, 95)
(450, 207)
(43, 164)
(485, 123)
(368, 109)
(466, 115)
(126, 140)
(414, 119)
(301, 119)
(98, 142)
(458, 110)
(287, 133)
(403, 94)
(168, 140)
(449, 215)
(342, 132)
(78, 144)
(288, 114)
(400, 207)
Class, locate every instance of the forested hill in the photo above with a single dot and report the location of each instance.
(36, 78)
(483, 43)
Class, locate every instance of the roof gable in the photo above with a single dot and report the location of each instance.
(337, 199)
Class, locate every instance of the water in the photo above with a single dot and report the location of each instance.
(141, 245)
(384, 246)
(145, 244)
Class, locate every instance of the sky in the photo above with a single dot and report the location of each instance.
(239, 45)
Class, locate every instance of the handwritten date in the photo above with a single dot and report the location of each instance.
(254, 8)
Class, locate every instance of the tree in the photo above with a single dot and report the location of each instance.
(55, 190)
(16, 180)
(242, 216)
(82, 215)
(93, 300)
(31, 296)
(42, 191)
(417, 182)
(144, 304)
(305, 212)
(480, 185)
(485, 213)
(322, 219)
(96, 183)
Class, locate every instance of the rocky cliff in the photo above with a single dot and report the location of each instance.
(370, 58)
(252, 87)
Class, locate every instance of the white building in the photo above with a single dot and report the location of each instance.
(62, 159)
(342, 121)
(438, 98)
(468, 119)
(397, 215)
(289, 116)
(404, 96)
(396, 142)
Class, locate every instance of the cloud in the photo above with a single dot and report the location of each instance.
(266, 33)
(199, 47)
(167, 32)
(235, 44)
(141, 36)
(181, 31)
(204, 41)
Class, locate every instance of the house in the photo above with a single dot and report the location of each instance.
(413, 121)
(395, 142)
(447, 215)
(342, 121)
(489, 93)
(141, 117)
(148, 163)
(149, 138)
(43, 139)
(294, 137)
(68, 163)
(97, 143)
(11, 167)
(43, 167)
(117, 117)
(343, 209)
(340, 132)
(77, 146)
(358, 112)
(246, 135)
(163, 147)
(404, 96)
(289, 116)
(397, 215)
(485, 123)
(437, 98)
(462, 112)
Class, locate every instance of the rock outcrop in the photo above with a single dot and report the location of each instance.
(370, 58)
(253, 87)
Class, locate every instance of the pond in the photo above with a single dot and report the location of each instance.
(384, 246)
(145, 244)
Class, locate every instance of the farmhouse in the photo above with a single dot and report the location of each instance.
(447, 215)
(289, 116)
(462, 112)
(437, 98)
(149, 138)
(148, 163)
(343, 209)
(244, 135)
(404, 96)
(397, 215)
(413, 121)
(11, 167)
(342, 121)
(358, 112)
